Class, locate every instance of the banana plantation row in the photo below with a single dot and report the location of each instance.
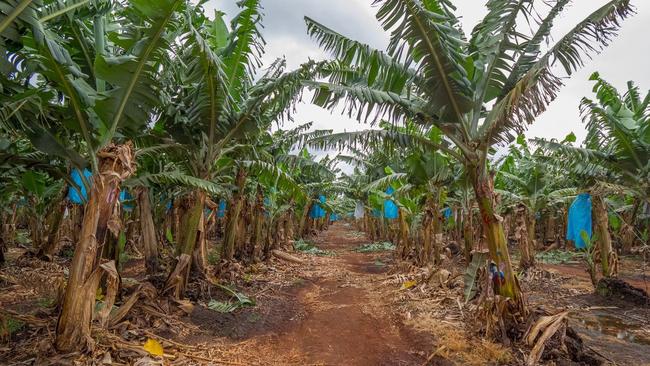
(158, 121)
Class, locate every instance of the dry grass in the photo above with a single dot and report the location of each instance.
(455, 345)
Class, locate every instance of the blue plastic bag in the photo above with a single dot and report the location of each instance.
(334, 217)
(221, 211)
(79, 196)
(317, 211)
(390, 208)
(314, 213)
(579, 220)
(446, 212)
(124, 197)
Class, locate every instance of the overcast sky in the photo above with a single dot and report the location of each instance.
(285, 32)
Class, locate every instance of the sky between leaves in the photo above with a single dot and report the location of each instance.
(627, 58)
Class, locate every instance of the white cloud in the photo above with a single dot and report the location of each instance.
(285, 33)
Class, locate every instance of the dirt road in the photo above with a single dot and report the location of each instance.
(330, 316)
(343, 323)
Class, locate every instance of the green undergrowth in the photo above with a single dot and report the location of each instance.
(379, 246)
(237, 300)
(557, 257)
(22, 237)
(214, 256)
(9, 326)
(308, 247)
(356, 234)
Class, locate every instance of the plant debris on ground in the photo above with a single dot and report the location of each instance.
(308, 247)
(558, 257)
(375, 247)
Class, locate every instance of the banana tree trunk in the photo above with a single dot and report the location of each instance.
(437, 232)
(493, 230)
(403, 234)
(288, 227)
(73, 327)
(531, 222)
(76, 220)
(110, 249)
(200, 252)
(604, 239)
(257, 240)
(49, 246)
(132, 229)
(456, 229)
(117, 238)
(192, 223)
(230, 235)
(627, 229)
(366, 222)
(177, 213)
(304, 219)
(549, 232)
(242, 237)
(527, 258)
(107, 235)
(370, 226)
(36, 227)
(271, 236)
(542, 228)
(468, 234)
(427, 235)
(310, 226)
(562, 228)
(188, 239)
(148, 230)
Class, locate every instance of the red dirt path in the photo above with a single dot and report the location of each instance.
(342, 323)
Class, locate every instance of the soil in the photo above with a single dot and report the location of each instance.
(324, 312)
(327, 317)
(342, 324)
(341, 308)
(577, 270)
(615, 328)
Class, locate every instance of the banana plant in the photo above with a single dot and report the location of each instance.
(96, 114)
(215, 112)
(29, 176)
(532, 182)
(614, 158)
(461, 196)
(479, 89)
(408, 159)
